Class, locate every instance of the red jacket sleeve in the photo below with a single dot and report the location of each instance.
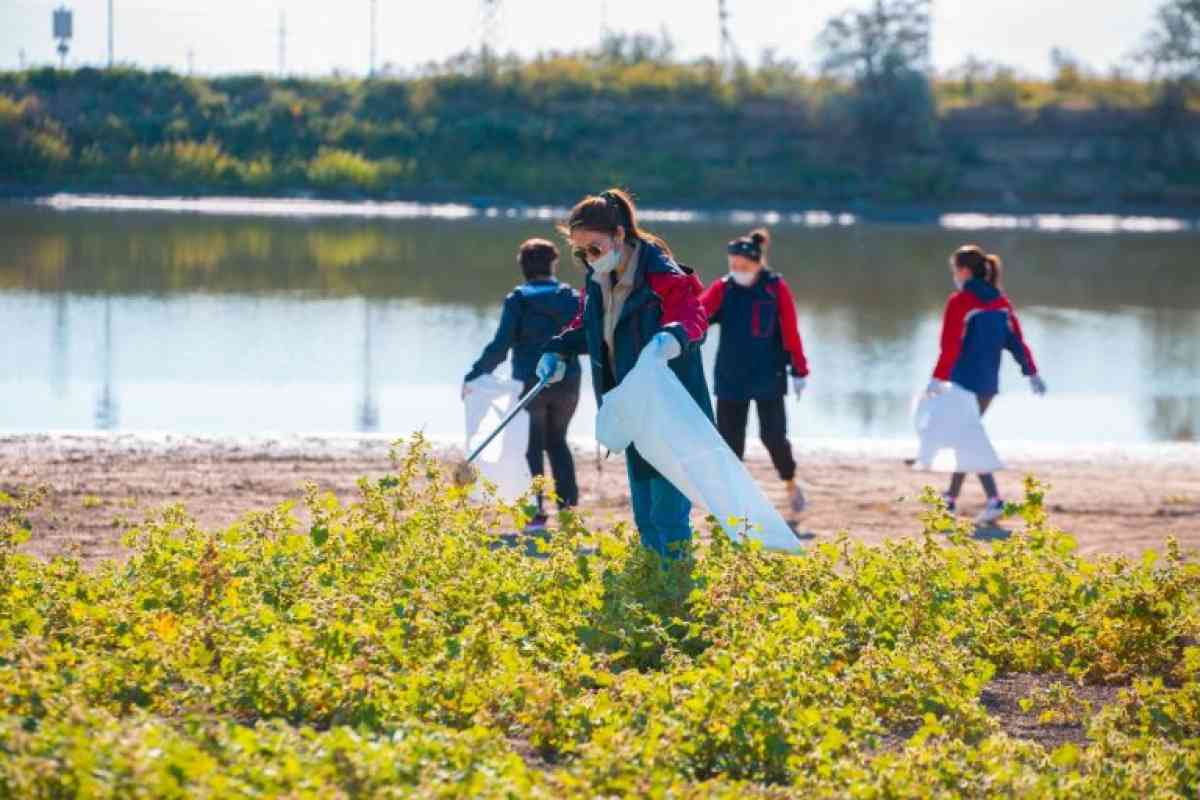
(572, 340)
(953, 329)
(577, 322)
(789, 327)
(712, 298)
(681, 309)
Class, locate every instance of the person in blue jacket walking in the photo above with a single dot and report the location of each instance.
(637, 298)
(978, 325)
(760, 345)
(532, 313)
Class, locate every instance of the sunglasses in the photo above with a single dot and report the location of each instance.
(589, 253)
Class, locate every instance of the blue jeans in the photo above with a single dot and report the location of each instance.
(661, 513)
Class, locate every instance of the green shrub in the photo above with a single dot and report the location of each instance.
(186, 163)
(32, 145)
(341, 169)
(390, 646)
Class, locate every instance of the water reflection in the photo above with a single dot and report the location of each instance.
(60, 339)
(368, 408)
(106, 403)
(225, 322)
(1175, 419)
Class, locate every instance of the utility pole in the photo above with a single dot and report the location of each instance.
(191, 58)
(63, 28)
(371, 71)
(110, 34)
(21, 57)
(282, 43)
(489, 24)
(728, 51)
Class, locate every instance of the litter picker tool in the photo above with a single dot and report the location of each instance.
(517, 409)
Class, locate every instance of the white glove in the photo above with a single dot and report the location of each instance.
(1037, 384)
(798, 385)
(935, 387)
(551, 368)
(664, 346)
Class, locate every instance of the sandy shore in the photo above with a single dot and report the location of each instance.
(1112, 500)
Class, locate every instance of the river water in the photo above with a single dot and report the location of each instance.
(316, 318)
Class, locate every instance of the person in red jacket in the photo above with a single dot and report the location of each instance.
(979, 324)
(760, 344)
(637, 299)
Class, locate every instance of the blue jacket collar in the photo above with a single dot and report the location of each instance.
(981, 289)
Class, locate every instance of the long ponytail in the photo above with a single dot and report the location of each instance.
(985, 266)
(995, 270)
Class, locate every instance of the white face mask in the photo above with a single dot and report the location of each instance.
(744, 278)
(609, 261)
(958, 283)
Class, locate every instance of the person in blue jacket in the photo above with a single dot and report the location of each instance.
(759, 346)
(534, 312)
(978, 325)
(637, 298)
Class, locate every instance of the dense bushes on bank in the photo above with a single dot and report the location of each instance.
(544, 130)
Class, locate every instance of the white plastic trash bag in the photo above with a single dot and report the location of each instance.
(503, 461)
(651, 409)
(952, 436)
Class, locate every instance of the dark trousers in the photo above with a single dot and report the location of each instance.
(986, 480)
(549, 415)
(772, 424)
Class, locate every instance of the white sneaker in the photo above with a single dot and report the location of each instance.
(993, 511)
(798, 501)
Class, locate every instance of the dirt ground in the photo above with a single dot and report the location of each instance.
(100, 486)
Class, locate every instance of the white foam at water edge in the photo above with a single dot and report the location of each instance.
(259, 207)
(346, 445)
(814, 218)
(1067, 223)
(308, 207)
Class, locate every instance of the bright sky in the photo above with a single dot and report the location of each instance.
(242, 35)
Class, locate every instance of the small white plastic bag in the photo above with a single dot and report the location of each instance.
(503, 461)
(652, 410)
(951, 432)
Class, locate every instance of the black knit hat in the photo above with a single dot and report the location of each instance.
(745, 246)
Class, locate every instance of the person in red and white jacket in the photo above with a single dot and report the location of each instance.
(759, 346)
(978, 325)
(637, 299)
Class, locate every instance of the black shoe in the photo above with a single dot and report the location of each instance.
(537, 523)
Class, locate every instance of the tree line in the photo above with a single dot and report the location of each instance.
(873, 126)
